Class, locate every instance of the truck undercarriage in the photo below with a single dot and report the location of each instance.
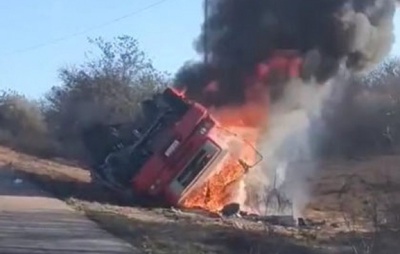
(119, 151)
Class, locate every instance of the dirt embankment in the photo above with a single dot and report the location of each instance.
(342, 209)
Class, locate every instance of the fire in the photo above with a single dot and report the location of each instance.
(220, 189)
(247, 122)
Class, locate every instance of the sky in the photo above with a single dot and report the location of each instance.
(39, 37)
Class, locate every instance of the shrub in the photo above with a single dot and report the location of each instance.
(365, 118)
(22, 125)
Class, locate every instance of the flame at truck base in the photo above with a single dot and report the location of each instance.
(225, 186)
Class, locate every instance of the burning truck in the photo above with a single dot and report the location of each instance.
(164, 156)
(178, 152)
(194, 153)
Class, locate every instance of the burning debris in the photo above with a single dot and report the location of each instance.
(231, 209)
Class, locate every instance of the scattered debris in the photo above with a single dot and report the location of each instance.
(231, 210)
(301, 222)
(334, 225)
(277, 220)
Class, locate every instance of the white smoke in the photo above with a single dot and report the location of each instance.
(279, 184)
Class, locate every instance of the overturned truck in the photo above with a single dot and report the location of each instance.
(172, 147)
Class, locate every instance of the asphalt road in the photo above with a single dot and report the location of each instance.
(33, 222)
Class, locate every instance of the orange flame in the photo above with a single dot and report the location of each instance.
(247, 121)
(217, 191)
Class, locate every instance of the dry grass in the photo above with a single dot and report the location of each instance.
(166, 230)
(171, 231)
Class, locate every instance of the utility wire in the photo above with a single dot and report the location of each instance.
(67, 37)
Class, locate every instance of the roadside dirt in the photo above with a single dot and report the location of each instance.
(341, 195)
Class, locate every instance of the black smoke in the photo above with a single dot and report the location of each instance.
(355, 34)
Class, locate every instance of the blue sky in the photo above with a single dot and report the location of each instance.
(166, 32)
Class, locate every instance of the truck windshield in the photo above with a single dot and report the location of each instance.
(197, 163)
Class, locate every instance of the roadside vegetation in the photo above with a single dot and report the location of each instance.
(362, 122)
(106, 88)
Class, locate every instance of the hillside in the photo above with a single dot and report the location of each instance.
(351, 201)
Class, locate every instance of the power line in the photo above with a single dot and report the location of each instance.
(67, 37)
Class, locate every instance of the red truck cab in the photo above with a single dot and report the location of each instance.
(184, 156)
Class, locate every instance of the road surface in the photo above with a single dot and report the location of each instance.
(33, 222)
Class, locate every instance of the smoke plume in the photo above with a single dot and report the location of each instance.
(330, 37)
(280, 184)
(328, 34)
